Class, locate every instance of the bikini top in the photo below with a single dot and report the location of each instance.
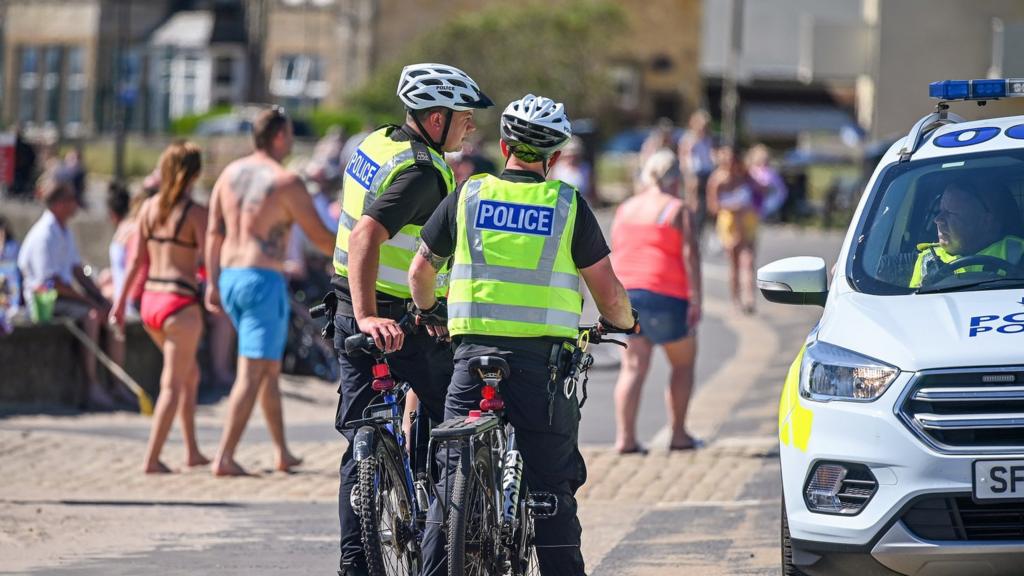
(173, 239)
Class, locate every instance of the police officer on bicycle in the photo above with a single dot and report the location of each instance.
(518, 245)
(392, 184)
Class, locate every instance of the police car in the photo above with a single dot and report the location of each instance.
(901, 422)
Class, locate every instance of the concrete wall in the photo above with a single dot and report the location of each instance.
(40, 364)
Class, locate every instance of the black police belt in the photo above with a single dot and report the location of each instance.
(393, 309)
(568, 364)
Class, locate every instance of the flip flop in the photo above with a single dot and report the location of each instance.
(636, 449)
(695, 444)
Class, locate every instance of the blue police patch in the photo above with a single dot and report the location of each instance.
(362, 169)
(515, 218)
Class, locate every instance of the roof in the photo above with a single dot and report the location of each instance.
(770, 119)
(200, 28)
(971, 135)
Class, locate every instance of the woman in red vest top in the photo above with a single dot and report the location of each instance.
(655, 254)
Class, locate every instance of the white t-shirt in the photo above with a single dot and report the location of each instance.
(49, 251)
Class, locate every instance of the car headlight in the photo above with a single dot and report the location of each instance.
(829, 372)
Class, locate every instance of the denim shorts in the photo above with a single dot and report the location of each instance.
(662, 318)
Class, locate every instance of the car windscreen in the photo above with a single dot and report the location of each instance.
(947, 224)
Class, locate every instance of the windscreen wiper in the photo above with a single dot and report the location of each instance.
(991, 282)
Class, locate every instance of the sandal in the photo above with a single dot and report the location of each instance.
(694, 444)
(636, 449)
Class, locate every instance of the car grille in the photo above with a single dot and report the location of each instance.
(945, 518)
(976, 411)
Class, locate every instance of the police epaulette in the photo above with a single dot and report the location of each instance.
(421, 154)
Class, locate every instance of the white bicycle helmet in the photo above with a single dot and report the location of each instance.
(429, 85)
(537, 123)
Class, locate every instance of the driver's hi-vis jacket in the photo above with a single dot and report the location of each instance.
(932, 256)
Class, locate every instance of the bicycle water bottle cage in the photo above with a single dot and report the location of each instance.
(542, 504)
(382, 380)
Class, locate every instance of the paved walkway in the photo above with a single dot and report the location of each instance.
(73, 499)
(73, 490)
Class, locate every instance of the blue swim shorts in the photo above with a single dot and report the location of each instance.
(662, 318)
(256, 299)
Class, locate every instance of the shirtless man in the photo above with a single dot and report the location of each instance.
(254, 204)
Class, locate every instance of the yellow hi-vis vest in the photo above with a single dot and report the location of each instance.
(1010, 249)
(512, 273)
(373, 167)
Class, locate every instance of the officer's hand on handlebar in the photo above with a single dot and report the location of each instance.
(609, 328)
(386, 333)
(434, 319)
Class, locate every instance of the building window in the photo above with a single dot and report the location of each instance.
(626, 84)
(288, 75)
(75, 82)
(51, 84)
(184, 89)
(28, 84)
(299, 78)
(224, 71)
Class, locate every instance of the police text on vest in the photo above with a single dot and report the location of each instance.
(515, 218)
(362, 169)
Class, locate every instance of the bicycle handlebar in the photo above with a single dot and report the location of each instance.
(318, 311)
(596, 334)
(363, 343)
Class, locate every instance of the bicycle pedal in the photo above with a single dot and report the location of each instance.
(542, 504)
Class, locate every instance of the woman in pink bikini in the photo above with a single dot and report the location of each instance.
(170, 242)
(656, 256)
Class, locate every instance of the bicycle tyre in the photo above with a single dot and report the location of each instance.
(388, 544)
(472, 513)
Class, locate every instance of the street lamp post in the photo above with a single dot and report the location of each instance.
(120, 111)
(730, 89)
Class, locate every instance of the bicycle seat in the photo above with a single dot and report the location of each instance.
(489, 365)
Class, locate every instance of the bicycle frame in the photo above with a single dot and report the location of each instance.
(385, 417)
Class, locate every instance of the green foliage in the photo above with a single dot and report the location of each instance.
(555, 49)
(186, 125)
(321, 120)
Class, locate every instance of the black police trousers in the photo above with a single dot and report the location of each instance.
(550, 451)
(422, 362)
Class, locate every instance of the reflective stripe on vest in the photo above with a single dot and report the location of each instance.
(529, 298)
(1010, 249)
(373, 167)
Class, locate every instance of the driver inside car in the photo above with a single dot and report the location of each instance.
(974, 225)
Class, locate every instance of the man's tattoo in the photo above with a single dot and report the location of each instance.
(273, 245)
(252, 183)
(436, 262)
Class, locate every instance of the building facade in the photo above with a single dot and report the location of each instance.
(60, 60)
(80, 67)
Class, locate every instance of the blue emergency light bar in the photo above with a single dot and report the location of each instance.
(977, 89)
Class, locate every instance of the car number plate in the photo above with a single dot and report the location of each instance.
(998, 479)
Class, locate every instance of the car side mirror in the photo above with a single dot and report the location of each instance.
(797, 280)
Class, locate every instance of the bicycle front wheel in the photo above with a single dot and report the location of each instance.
(473, 516)
(385, 513)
